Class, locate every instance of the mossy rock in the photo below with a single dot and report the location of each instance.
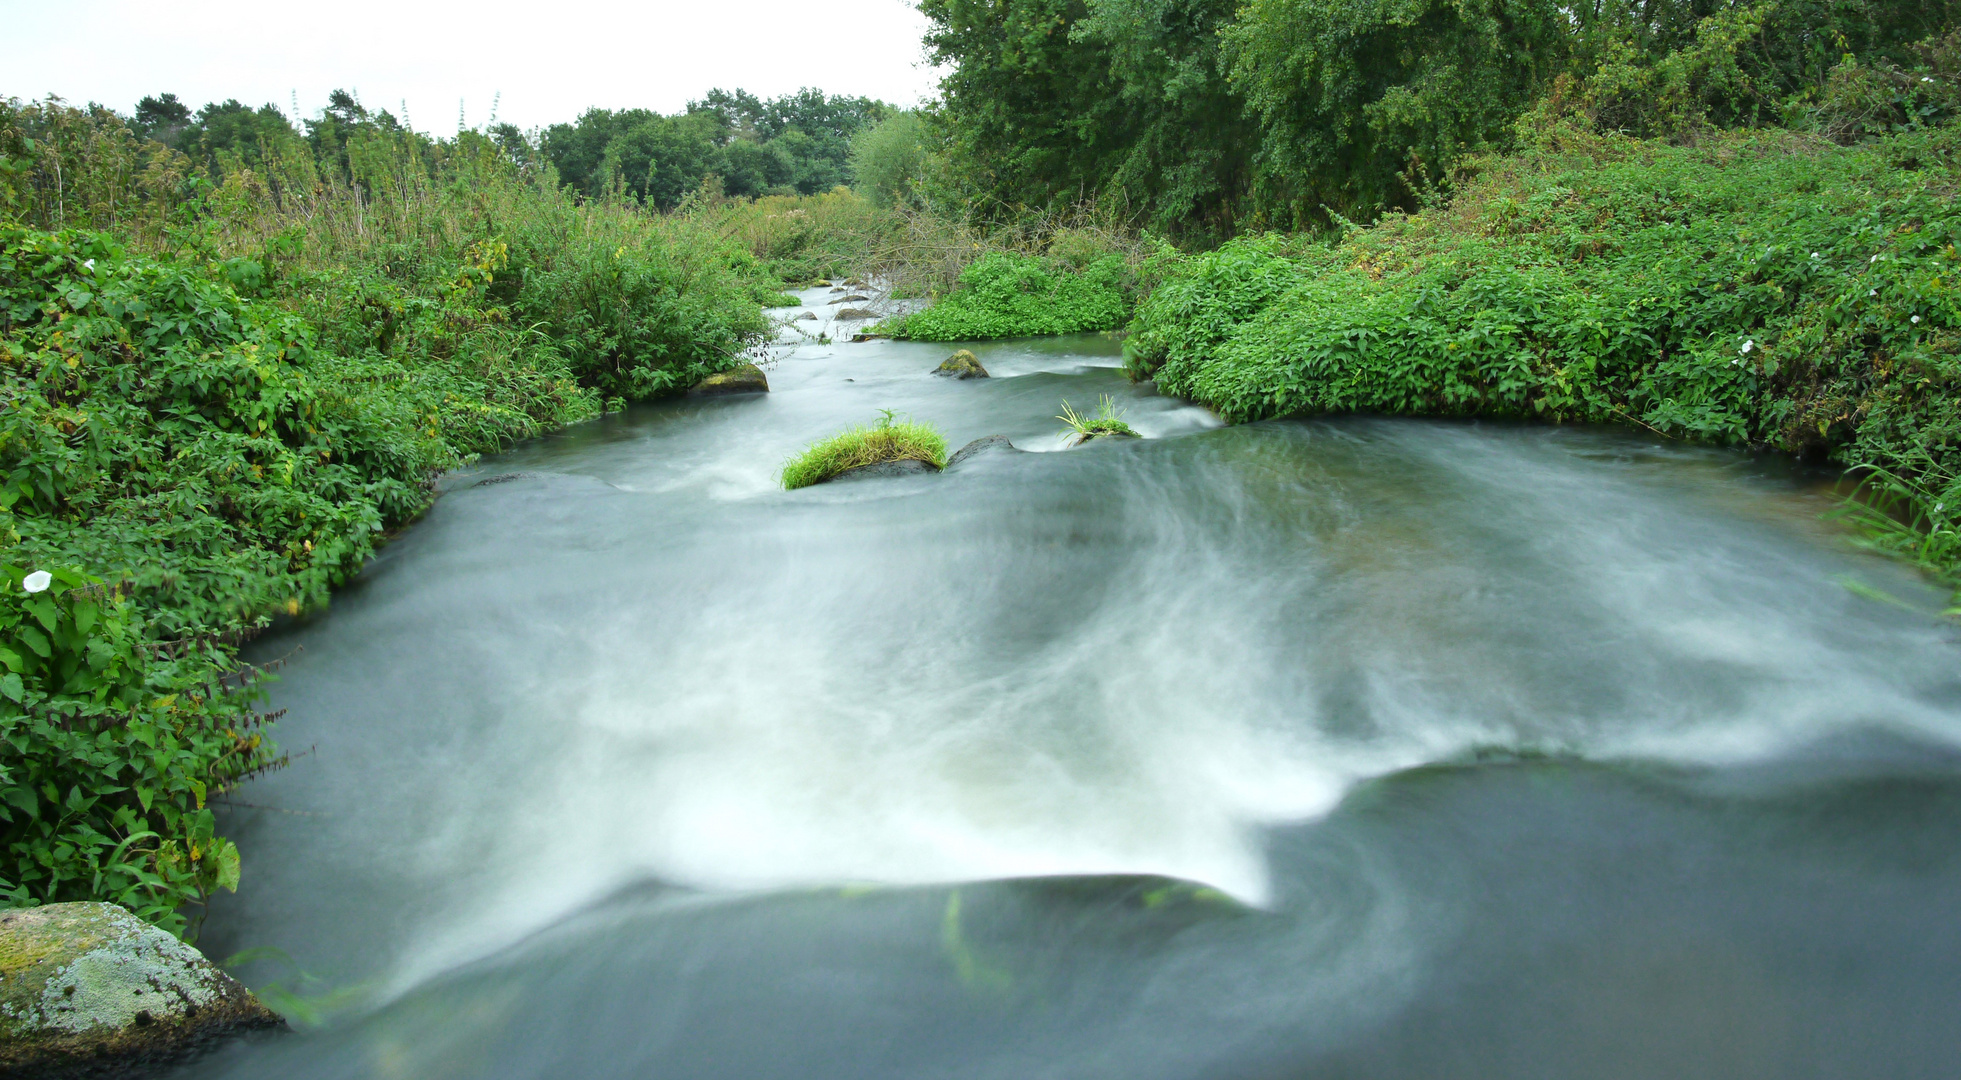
(880, 469)
(850, 313)
(854, 298)
(89, 989)
(820, 283)
(962, 365)
(985, 444)
(743, 379)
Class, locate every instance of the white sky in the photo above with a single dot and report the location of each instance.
(550, 60)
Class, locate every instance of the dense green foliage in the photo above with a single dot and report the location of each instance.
(887, 440)
(1198, 118)
(113, 745)
(1009, 295)
(796, 144)
(892, 161)
(221, 410)
(1767, 289)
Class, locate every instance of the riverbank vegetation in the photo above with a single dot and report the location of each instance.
(238, 347)
(887, 440)
(222, 386)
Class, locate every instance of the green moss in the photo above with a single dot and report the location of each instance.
(888, 440)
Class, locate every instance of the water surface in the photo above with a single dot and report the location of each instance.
(1347, 748)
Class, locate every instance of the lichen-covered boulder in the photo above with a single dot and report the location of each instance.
(89, 989)
(962, 365)
(745, 379)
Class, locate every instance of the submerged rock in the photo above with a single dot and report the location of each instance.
(745, 379)
(987, 444)
(901, 467)
(962, 365)
(854, 298)
(856, 313)
(89, 989)
(811, 315)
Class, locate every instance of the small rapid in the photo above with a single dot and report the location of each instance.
(1359, 746)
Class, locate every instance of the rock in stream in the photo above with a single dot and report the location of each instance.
(89, 989)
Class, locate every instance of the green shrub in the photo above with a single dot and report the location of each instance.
(1009, 295)
(114, 745)
(888, 440)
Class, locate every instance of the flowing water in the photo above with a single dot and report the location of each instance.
(1352, 748)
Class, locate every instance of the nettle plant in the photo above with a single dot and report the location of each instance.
(113, 747)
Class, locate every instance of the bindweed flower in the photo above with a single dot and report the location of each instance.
(1748, 345)
(88, 264)
(1814, 254)
(1915, 320)
(38, 581)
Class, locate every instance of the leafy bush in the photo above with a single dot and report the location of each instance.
(114, 747)
(888, 440)
(1009, 295)
(1767, 289)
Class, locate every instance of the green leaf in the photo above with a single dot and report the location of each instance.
(11, 687)
(43, 609)
(225, 856)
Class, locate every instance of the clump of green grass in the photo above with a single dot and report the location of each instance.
(887, 440)
(1107, 421)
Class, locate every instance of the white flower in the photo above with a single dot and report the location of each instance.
(1814, 254)
(89, 263)
(1872, 260)
(1924, 78)
(38, 581)
(1748, 345)
(1915, 320)
(1872, 292)
(1938, 507)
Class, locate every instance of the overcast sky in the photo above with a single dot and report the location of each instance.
(551, 59)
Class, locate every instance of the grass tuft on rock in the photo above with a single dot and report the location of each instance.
(887, 440)
(1108, 421)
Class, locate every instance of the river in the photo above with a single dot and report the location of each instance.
(1332, 748)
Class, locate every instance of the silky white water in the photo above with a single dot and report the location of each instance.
(637, 663)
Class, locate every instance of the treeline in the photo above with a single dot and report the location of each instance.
(1201, 119)
(743, 146)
